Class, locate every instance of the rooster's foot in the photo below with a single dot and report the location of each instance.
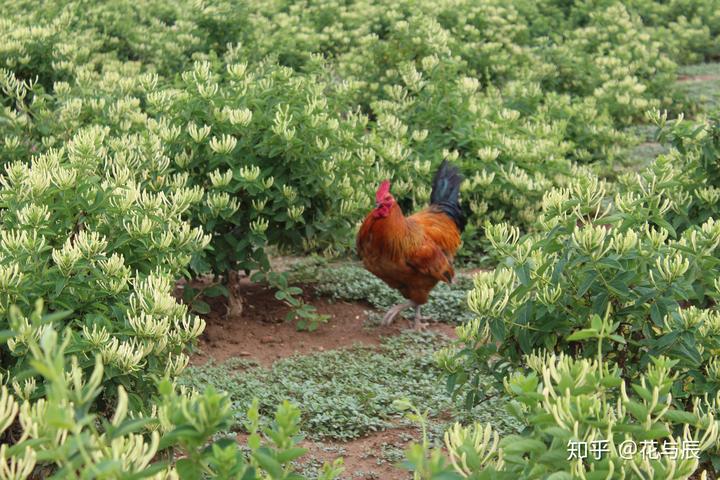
(419, 326)
(394, 312)
(418, 323)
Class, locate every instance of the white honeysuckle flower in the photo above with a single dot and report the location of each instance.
(590, 240)
(259, 204)
(218, 201)
(11, 142)
(208, 90)
(14, 467)
(295, 212)
(289, 192)
(484, 300)
(139, 227)
(64, 178)
(223, 145)
(26, 390)
(488, 154)
(238, 116)
(189, 328)
(152, 295)
(672, 268)
(623, 243)
(237, 70)
(219, 179)
(656, 237)
(176, 364)
(183, 159)
(420, 135)
(502, 235)
(150, 326)
(90, 244)
(9, 408)
(126, 355)
(484, 441)
(469, 85)
(24, 333)
(347, 206)
(259, 225)
(10, 277)
(250, 173)
(96, 337)
(149, 81)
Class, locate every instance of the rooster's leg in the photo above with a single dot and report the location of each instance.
(394, 312)
(418, 324)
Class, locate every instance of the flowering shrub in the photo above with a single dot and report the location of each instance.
(622, 68)
(85, 228)
(275, 157)
(689, 176)
(582, 422)
(616, 261)
(521, 89)
(61, 434)
(689, 28)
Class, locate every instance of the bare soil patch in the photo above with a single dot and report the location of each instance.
(698, 78)
(262, 334)
(373, 457)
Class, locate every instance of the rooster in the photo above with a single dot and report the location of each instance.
(412, 254)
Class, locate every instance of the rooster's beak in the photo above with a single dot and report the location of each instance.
(377, 204)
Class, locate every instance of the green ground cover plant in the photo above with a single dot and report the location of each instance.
(346, 393)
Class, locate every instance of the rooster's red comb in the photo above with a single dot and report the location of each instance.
(382, 190)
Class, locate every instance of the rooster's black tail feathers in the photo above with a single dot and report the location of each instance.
(446, 191)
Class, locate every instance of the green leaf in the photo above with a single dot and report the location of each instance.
(655, 432)
(268, 463)
(515, 445)
(216, 290)
(5, 335)
(200, 307)
(290, 454)
(588, 281)
(583, 334)
(188, 470)
(681, 417)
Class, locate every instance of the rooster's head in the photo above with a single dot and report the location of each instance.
(383, 200)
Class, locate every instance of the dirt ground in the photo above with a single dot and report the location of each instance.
(373, 457)
(698, 78)
(262, 334)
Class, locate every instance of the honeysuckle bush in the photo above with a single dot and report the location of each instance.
(611, 257)
(691, 169)
(619, 283)
(253, 174)
(278, 161)
(87, 228)
(584, 421)
(621, 67)
(690, 27)
(63, 436)
(642, 251)
(481, 79)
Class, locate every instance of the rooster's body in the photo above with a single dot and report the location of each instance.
(412, 254)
